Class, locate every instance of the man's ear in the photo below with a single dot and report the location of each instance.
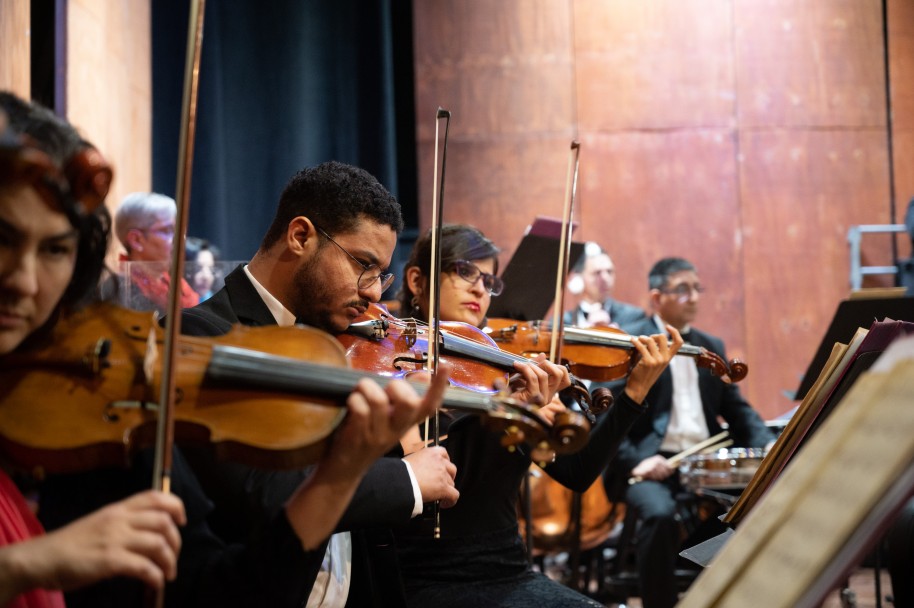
(655, 298)
(300, 234)
(134, 240)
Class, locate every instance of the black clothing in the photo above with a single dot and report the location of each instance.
(246, 498)
(272, 570)
(480, 559)
(899, 542)
(657, 541)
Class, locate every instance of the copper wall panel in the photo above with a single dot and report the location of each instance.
(801, 191)
(901, 75)
(500, 68)
(109, 87)
(809, 63)
(653, 64)
(504, 70)
(499, 186)
(645, 196)
(15, 26)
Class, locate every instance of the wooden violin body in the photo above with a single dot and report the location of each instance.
(265, 396)
(89, 397)
(598, 354)
(381, 343)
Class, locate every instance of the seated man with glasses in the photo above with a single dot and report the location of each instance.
(684, 409)
(145, 225)
(322, 261)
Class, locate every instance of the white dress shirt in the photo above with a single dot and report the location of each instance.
(688, 425)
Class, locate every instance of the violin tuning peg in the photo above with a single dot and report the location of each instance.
(543, 454)
(513, 437)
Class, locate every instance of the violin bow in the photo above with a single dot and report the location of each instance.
(558, 309)
(434, 285)
(571, 187)
(161, 476)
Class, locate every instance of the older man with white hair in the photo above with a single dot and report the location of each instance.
(145, 225)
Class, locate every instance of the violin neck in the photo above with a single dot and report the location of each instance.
(576, 335)
(458, 345)
(251, 369)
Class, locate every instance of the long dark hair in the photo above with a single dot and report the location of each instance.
(458, 242)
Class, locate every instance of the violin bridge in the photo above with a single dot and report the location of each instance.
(372, 330)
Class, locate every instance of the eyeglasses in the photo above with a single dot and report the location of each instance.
(370, 272)
(470, 273)
(165, 230)
(683, 291)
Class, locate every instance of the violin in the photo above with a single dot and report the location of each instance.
(600, 353)
(86, 396)
(381, 343)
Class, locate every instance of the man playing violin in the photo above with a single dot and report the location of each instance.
(321, 263)
(480, 559)
(685, 406)
(596, 273)
(53, 238)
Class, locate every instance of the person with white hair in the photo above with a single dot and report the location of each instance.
(145, 225)
(594, 277)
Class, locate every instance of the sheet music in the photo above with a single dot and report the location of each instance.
(841, 356)
(801, 523)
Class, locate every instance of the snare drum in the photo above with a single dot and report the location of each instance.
(726, 469)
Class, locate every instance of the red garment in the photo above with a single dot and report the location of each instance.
(18, 523)
(155, 289)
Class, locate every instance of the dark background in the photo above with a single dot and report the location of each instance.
(284, 84)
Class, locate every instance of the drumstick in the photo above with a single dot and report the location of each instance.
(706, 449)
(674, 460)
(717, 446)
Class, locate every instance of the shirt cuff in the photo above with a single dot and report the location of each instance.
(417, 493)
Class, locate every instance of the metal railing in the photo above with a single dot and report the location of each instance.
(854, 236)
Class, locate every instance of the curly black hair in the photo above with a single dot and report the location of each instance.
(334, 196)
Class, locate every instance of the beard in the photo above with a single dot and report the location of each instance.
(313, 295)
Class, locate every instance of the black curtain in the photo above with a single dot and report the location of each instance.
(284, 84)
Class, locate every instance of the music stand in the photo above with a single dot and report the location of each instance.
(527, 297)
(850, 315)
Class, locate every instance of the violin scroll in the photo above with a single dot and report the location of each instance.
(734, 372)
(738, 370)
(601, 399)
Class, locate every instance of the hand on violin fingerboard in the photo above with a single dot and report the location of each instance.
(552, 409)
(654, 353)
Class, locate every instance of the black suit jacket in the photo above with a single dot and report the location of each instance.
(246, 497)
(718, 400)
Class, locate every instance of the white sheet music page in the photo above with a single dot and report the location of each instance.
(794, 532)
